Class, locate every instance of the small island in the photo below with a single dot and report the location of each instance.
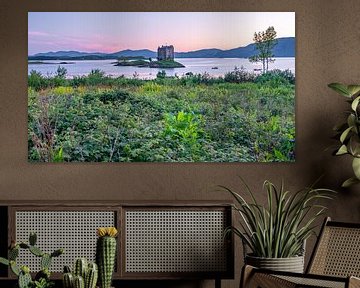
(42, 62)
(165, 59)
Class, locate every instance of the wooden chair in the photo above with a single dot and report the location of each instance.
(335, 262)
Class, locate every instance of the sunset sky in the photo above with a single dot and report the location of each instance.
(115, 31)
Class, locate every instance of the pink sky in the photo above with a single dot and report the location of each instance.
(115, 31)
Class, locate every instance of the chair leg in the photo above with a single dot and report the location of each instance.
(217, 283)
(246, 274)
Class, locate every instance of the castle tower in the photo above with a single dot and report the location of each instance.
(165, 53)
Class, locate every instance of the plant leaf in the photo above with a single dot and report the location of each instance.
(349, 182)
(356, 167)
(354, 145)
(351, 120)
(355, 103)
(342, 150)
(340, 88)
(345, 134)
(353, 89)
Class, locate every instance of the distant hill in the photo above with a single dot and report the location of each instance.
(284, 48)
(146, 53)
(67, 54)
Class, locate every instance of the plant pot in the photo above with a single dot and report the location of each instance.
(291, 264)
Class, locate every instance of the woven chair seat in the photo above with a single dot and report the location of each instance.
(335, 262)
(313, 282)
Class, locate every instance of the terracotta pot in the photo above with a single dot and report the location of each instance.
(291, 264)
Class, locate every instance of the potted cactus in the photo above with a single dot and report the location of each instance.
(106, 254)
(42, 278)
(84, 275)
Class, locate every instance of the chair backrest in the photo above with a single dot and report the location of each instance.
(337, 251)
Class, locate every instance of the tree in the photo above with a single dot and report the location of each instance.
(61, 72)
(265, 41)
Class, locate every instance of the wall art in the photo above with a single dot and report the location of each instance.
(161, 86)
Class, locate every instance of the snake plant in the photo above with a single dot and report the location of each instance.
(279, 228)
(349, 131)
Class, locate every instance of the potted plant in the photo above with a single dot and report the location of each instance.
(42, 278)
(349, 131)
(276, 233)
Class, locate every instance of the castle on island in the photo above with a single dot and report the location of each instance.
(165, 53)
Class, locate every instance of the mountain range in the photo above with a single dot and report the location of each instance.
(284, 48)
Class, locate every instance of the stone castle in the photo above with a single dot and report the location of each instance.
(165, 53)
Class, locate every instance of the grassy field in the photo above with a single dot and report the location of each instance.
(239, 118)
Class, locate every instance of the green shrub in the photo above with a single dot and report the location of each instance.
(37, 81)
(276, 78)
(161, 74)
(239, 76)
(113, 95)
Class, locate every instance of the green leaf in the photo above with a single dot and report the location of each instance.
(353, 89)
(349, 182)
(342, 150)
(355, 103)
(340, 88)
(59, 155)
(354, 145)
(351, 120)
(356, 167)
(345, 134)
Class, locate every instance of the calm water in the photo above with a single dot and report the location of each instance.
(194, 65)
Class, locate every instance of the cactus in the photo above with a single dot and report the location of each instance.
(4, 261)
(105, 254)
(24, 245)
(91, 276)
(57, 253)
(36, 251)
(44, 273)
(24, 278)
(79, 282)
(89, 272)
(67, 269)
(68, 280)
(32, 239)
(23, 273)
(14, 268)
(13, 253)
(45, 261)
(80, 267)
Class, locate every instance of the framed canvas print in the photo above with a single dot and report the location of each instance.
(161, 86)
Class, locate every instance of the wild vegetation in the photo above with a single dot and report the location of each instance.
(240, 117)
